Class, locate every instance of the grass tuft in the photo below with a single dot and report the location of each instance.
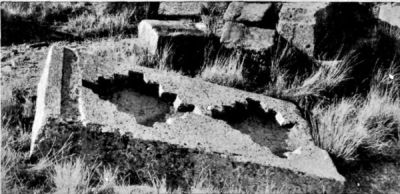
(225, 71)
(71, 177)
(96, 25)
(360, 126)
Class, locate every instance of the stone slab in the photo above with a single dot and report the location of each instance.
(194, 115)
(181, 9)
(212, 135)
(326, 29)
(296, 24)
(58, 89)
(237, 35)
(184, 41)
(246, 12)
(151, 32)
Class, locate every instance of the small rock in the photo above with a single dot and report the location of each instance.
(390, 13)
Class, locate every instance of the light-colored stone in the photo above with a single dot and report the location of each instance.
(246, 12)
(58, 91)
(296, 24)
(198, 129)
(151, 32)
(180, 9)
(195, 115)
(390, 13)
(236, 35)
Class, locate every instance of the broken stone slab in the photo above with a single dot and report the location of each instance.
(184, 95)
(245, 12)
(154, 107)
(180, 9)
(201, 98)
(237, 35)
(59, 87)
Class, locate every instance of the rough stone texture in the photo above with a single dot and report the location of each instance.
(246, 12)
(212, 16)
(133, 157)
(195, 115)
(390, 13)
(297, 24)
(202, 98)
(182, 9)
(326, 30)
(183, 41)
(237, 35)
(58, 90)
(152, 32)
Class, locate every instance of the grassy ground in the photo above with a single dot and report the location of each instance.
(52, 21)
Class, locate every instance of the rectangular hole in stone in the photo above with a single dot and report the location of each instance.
(132, 95)
(249, 118)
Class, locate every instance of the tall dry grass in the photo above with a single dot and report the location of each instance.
(321, 81)
(44, 12)
(71, 177)
(361, 126)
(224, 70)
(97, 24)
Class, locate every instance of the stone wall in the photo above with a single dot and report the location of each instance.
(320, 30)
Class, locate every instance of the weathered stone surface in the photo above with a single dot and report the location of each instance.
(183, 41)
(197, 129)
(150, 106)
(246, 12)
(152, 32)
(237, 35)
(133, 156)
(212, 16)
(326, 29)
(297, 24)
(58, 90)
(390, 13)
(181, 9)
